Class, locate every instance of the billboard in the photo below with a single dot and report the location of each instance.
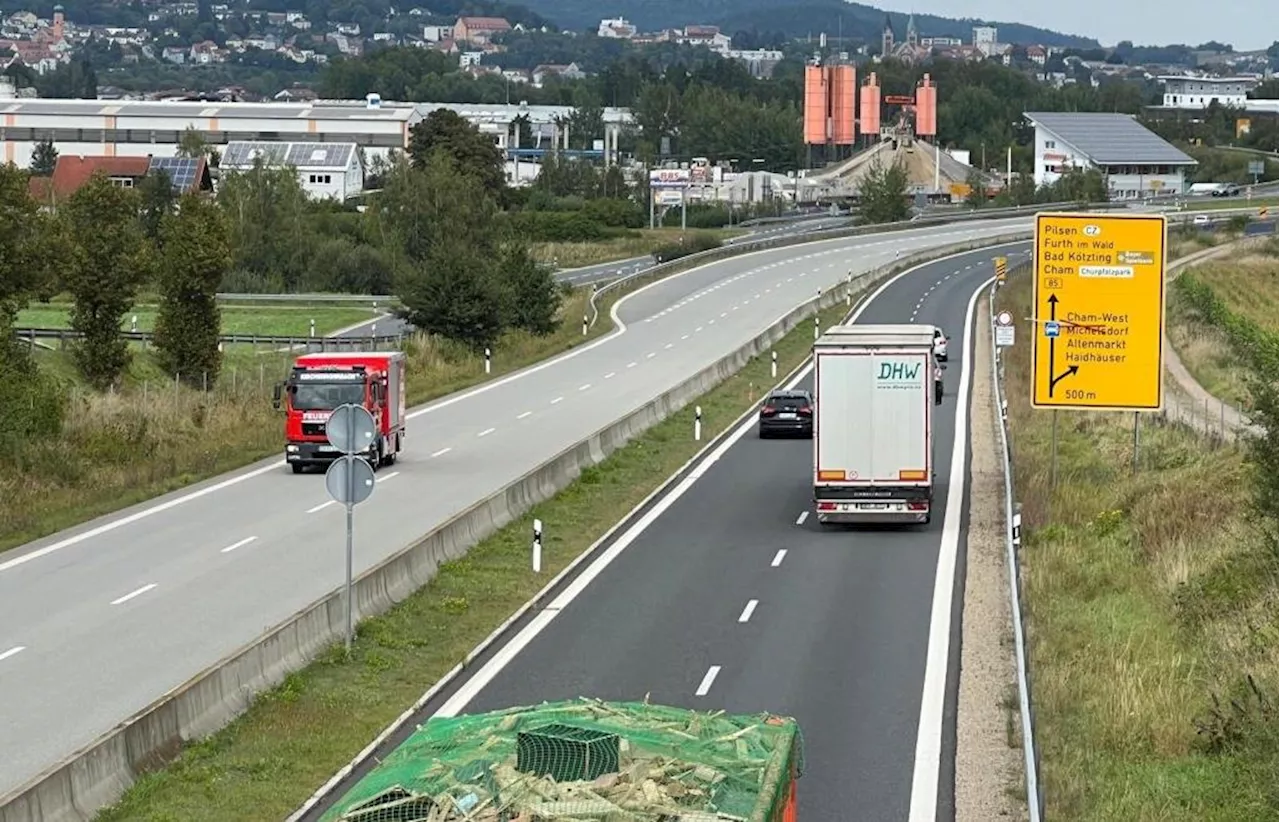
(669, 177)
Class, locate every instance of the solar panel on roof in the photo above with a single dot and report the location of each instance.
(181, 170)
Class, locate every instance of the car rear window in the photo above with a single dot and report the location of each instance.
(788, 402)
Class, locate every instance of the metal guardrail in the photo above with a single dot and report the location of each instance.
(1013, 546)
(64, 335)
(740, 248)
(376, 299)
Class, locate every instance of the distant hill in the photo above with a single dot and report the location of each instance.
(795, 18)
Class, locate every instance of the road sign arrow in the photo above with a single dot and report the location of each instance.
(1053, 307)
(1072, 370)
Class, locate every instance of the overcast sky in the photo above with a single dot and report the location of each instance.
(1251, 24)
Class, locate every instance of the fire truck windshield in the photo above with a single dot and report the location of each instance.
(313, 396)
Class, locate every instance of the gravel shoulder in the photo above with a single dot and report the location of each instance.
(989, 780)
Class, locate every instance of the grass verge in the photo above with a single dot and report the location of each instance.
(1245, 286)
(1152, 616)
(576, 255)
(268, 320)
(155, 436)
(294, 737)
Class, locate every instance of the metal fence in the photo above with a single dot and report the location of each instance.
(62, 336)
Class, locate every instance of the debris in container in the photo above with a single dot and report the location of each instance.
(583, 761)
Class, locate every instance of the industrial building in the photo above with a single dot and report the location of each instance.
(1186, 92)
(326, 171)
(114, 128)
(1135, 161)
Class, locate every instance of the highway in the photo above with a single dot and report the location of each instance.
(111, 615)
(726, 594)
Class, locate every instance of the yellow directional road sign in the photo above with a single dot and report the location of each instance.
(1098, 303)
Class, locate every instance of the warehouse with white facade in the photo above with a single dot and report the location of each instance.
(1135, 160)
(331, 171)
(114, 128)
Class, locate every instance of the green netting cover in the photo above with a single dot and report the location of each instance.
(583, 760)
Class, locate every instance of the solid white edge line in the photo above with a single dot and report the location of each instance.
(704, 687)
(17, 649)
(749, 610)
(132, 594)
(446, 681)
(924, 779)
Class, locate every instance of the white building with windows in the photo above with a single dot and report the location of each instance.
(1135, 161)
(326, 170)
(1188, 92)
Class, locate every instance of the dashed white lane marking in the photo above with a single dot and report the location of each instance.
(804, 515)
(749, 610)
(386, 477)
(705, 685)
(486, 432)
(778, 558)
(684, 336)
(14, 651)
(611, 375)
(696, 330)
(584, 386)
(557, 399)
(651, 355)
(236, 545)
(322, 505)
(631, 365)
(667, 346)
(522, 416)
(441, 452)
(133, 594)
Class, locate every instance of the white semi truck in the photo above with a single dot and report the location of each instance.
(876, 387)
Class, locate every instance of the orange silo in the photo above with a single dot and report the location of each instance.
(869, 107)
(844, 92)
(815, 105)
(926, 108)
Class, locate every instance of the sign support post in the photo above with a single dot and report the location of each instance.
(351, 430)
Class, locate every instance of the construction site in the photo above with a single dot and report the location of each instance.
(857, 129)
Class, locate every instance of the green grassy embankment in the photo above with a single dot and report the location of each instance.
(576, 255)
(1152, 614)
(267, 320)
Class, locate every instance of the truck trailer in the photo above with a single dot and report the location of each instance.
(585, 759)
(319, 383)
(876, 387)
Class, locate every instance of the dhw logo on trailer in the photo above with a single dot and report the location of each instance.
(896, 374)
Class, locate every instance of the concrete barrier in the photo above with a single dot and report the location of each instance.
(99, 774)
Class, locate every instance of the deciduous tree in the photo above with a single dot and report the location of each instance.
(882, 193)
(473, 152)
(104, 267)
(196, 256)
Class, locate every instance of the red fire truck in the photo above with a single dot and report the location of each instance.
(320, 383)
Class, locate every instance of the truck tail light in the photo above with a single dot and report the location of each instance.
(826, 506)
(917, 505)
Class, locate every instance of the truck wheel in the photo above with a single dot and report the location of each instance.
(296, 466)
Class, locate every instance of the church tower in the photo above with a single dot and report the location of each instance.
(886, 38)
(913, 36)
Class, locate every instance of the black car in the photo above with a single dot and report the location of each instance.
(787, 412)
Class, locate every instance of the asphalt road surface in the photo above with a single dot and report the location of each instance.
(733, 597)
(111, 615)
